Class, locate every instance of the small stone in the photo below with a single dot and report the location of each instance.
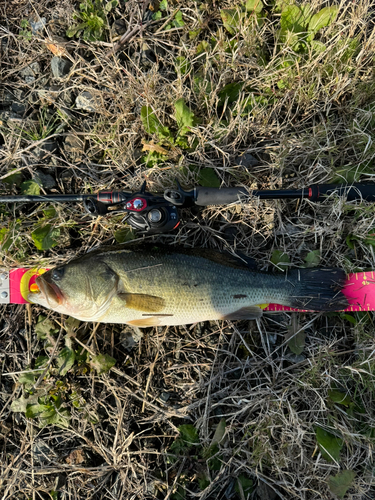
(74, 147)
(246, 160)
(272, 338)
(60, 67)
(49, 94)
(295, 358)
(12, 119)
(38, 25)
(265, 492)
(164, 396)
(6, 97)
(19, 108)
(87, 102)
(43, 453)
(46, 149)
(119, 26)
(30, 73)
(44, 180)
(130, 336)
(147, 56)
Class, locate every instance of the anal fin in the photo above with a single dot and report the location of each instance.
(145, 322)
(250, 312)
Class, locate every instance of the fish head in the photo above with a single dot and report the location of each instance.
(82, 289)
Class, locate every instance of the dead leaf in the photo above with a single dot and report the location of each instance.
(76, 457)
(150, 146)
(57, 50)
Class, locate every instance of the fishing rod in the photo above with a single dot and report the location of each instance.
(154, 213)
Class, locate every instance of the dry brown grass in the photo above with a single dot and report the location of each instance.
(318, 127)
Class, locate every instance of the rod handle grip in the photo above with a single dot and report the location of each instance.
(214, 196)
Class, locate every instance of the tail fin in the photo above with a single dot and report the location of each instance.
(317, 289)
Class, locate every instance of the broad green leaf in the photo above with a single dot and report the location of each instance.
(110, 5)
(254, 6)
(312, 259)
(19, 405)
(318, 47)
(65, 360)
(15, 178)
(230, 92)
(280, 5)
(339, 397)
(163, 5)
(340, 483)
(30, 187)
(244, 484)
(41, 362)
(60, 418)
(157, 15)
(349, 317)
(152, 124)
(231, 19)
(45, 237)
(292, 19)
(102, 363)
(184, 117)
(27, 379)
(194, 33)
(187, 439)
(49, 212)
(208, 178)
(324, 17)
(178, 22)
(203, 481)
(189, 434)
(280, 259)
(45, 327)
(6, 239)
(73, 30)
(124, 234)
(219, 432)
(213, 459)
(202, 47)
(34, 410)
(329, 445)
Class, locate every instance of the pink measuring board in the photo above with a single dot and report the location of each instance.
(359, 290)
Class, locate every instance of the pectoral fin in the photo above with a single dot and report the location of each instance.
(251, 312)
(142, 302)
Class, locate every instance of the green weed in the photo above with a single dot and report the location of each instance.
(92, 19)
(48, 391)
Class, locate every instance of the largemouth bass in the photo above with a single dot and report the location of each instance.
(159, 286)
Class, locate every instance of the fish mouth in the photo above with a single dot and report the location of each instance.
(50, 291)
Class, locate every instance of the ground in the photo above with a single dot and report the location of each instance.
(104, 95)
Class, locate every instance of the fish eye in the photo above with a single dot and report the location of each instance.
(58, 273)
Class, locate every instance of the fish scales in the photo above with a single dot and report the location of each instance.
(194, 288)
(167, 286)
